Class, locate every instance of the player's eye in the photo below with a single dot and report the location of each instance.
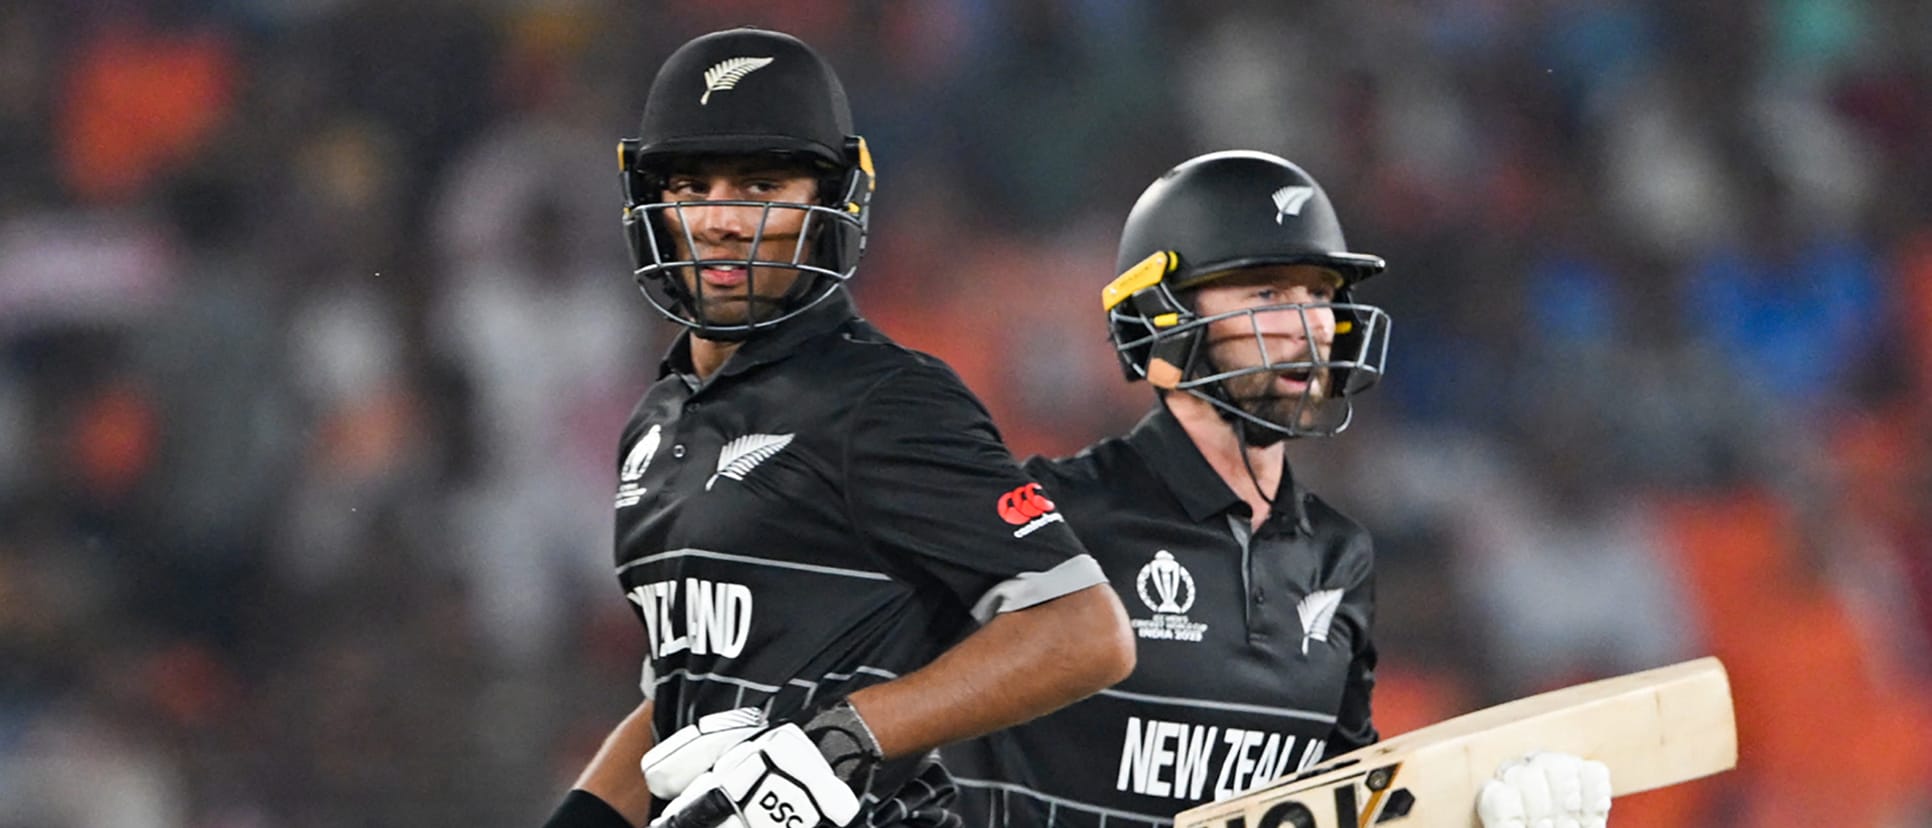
(762, 186)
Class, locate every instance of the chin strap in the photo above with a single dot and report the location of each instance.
(1241, 445)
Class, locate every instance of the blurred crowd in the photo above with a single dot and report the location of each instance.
(316, 335)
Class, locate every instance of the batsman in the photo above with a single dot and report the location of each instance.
(816, 527)
(1252, 599)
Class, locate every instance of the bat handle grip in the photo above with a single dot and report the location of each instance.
(709, 811)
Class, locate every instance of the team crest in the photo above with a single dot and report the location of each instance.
(1317, 612)
(1289, 200)
(740, 456)
(726, 74)
(1167, 588)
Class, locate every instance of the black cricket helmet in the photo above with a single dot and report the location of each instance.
(744, 93)
(1207, 218)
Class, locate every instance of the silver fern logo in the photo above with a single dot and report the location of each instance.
(740, 456)
(1317, 612)
(727, 73)
(1169, 582)
(1289, 200)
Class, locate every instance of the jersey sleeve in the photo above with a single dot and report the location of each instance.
(1354, 727)
(932, 489)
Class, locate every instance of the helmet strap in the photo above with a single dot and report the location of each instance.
(1241, 445)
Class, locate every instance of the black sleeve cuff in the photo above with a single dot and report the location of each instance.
(582, 809)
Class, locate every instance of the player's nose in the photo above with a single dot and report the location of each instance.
(721, 222)
(1293, 323)
(1296, 333)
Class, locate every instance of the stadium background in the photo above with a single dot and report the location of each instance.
(316, 335)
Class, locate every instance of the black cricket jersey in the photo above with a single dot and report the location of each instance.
(1255, 658)
(828, 511)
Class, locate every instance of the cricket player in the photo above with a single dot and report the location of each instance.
(838, 565)
(1252, 598)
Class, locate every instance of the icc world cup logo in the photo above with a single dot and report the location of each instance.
(1166, 580)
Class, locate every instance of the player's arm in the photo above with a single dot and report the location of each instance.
(931, 491)
(1060, 638)
(930, 484)
(612, 777)
(1354, 722)
(1020, 665)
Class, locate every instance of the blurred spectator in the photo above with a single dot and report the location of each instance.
(1788, 302)
(140, 101)
(539, 315)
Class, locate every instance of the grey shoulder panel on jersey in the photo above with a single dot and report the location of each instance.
(1030, 588)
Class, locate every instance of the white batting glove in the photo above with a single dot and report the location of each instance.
(671, 765)
(1546, 790)
(776, 780)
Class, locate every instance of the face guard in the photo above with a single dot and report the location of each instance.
(1162, 340)
(825, 254)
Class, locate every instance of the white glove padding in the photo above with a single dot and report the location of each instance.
(1546, 790)
(777, 780)
(670, 765)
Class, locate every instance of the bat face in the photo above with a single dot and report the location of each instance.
(1362, 796)
(1653, 728)
(1353, 794)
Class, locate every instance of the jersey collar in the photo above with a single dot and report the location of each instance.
(768, 347)
(1166, 448)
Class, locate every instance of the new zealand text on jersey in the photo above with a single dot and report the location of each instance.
(716, 619)
(1175, 759)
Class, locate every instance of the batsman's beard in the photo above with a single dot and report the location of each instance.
(1254, 394)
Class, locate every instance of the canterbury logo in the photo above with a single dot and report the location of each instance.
(1289, 200)
(1317, 612)
(740, 456)
(1024, 504)
(1028, 508)
(727, 73)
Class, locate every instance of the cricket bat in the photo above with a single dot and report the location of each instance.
(1653, 728)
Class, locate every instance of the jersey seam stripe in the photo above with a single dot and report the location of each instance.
(726, 556)
(990, 784)
(863, 669)
(1236, 707)
(769, 688)
(717, 677)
